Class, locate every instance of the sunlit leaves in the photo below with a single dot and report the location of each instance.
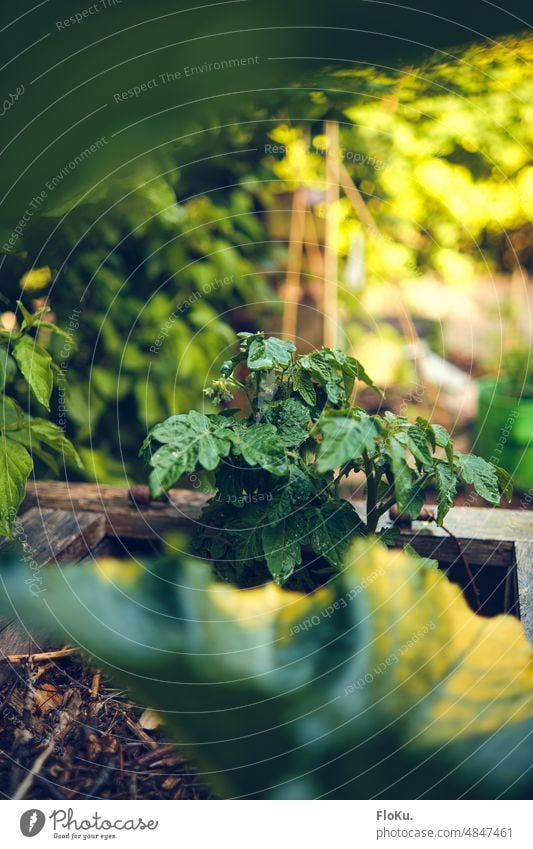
(481, 474)
(15, 467)
(35, 364)
(344, 439)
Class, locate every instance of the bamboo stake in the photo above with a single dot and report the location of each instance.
(38, 658)
(356, 199)
(365, 216)
(331, 254)
(312, 246)
(292, 289)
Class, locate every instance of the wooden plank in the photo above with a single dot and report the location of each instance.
(123, 517)
(487, 535)
(440, 546)
(45, 536)
(524, 568)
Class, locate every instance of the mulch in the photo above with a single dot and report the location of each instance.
(65, 733)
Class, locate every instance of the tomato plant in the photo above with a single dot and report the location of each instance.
(277, 510)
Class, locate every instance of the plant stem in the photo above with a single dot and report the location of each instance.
(247, 393)
(386, 505)
(372, 514)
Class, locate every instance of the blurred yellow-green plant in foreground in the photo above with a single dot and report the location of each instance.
(383, 684)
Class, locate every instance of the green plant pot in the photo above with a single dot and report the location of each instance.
(504, 430)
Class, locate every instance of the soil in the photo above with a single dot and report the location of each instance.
(66, 734)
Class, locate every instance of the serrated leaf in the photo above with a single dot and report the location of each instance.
(344, 439)
(35, 449)
(244, 528)
(189, 440)
(291, 420)
(416, 440)
(168, 465)
(260, 445)
(389, 536)
(403, 476)
(295, 493)
(269, 353)
(428, 430)
(332, 534)
(282, 547)
(304, 385)
(354, 370)
(444, 440)
(15, 467)
(505, 482)
(334, 391)
(317, 367)
(446, 483)
(415, 501)
(481, 475)
(35, 364)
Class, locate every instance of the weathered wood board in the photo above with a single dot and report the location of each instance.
(63, 522)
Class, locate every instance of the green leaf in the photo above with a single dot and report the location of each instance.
(353, 370)
(54, 328)
(295, 493)
(389, 536)
(291, 419)
(8, 368)
(337, 524)
(334, 391)
(317, 367)
(188, 440)
(428, 430)
(230, 482)
(415, 500)
(403, 476)
(35, 364)
(15, 467)
(344, 439)
(11, 415)
(168, 465)
(261, 446)
(27, 318)
(36, 450)
(304, 385)
(282, 548)
(52, 436)
(481, 475)
(270, 353)
(444, 440)
(416, 440)
(446, 483)
(244, 529)
(505, 482)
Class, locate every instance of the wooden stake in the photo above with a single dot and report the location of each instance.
(40, 657)
(292, 289)
(312, 246)
(331, 254)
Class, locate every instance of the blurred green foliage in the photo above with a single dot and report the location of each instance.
(382, 685)
(147, 285)
(161, 263)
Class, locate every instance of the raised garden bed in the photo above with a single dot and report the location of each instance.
(66, 733)
(63, 523)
